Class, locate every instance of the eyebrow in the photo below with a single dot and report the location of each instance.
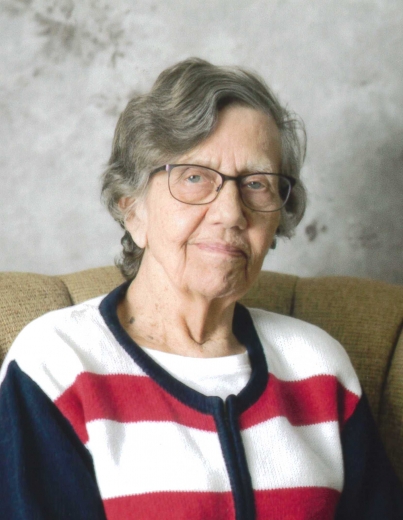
(259, 168)
(248, 169)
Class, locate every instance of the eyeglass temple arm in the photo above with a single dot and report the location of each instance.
(160, 168)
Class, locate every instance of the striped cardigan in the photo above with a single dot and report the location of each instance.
(93, 428)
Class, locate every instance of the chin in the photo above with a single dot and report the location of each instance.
(231, 287)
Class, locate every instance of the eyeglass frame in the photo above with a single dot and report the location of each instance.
(168, 168)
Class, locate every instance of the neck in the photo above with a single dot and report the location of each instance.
(158, 315)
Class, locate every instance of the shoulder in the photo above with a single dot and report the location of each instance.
(298, 350)
(60, 345)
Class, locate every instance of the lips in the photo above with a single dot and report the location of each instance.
(224, 248)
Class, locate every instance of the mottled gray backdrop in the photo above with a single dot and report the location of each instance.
(68, 68)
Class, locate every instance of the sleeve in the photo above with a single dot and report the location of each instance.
(46, 473)
(372, 491)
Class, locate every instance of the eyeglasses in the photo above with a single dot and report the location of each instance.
(198, 185)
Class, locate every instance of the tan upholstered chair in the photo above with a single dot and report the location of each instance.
(364, 315)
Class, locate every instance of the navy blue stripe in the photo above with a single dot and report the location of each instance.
(228, 450)
(225, 416)
(371, 490)
(45, 471)
(241, 463)
(243, 330)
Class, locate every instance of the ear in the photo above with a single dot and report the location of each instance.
(135, 220)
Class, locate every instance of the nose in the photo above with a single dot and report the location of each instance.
(228, 209)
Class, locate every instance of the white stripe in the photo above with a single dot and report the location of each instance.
(296, 350)
(144, 457)
(54, 349)
(292, 456)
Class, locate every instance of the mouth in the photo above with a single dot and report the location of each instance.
(222, 248)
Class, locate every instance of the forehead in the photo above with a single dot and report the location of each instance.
(243, 139)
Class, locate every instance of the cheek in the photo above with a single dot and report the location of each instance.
(262, 235)
(173, 224)
(260, 245)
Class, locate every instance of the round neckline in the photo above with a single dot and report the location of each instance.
(216, 365)
(243, 330)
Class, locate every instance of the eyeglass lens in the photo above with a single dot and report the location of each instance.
(199, 185)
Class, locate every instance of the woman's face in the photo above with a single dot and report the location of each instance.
(214, 250)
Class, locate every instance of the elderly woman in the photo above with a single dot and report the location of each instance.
(167, 399)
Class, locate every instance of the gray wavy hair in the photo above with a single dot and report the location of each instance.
(179, 112)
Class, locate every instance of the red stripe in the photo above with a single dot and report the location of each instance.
(125, 398)
(307, 503)
(71, 404)
(310, 401)
(182, 505)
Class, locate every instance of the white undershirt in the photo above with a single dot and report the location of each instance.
(220, 376)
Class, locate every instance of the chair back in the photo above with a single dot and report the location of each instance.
(364, 315)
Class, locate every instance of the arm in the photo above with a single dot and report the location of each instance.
(45, 470)
(371, 489)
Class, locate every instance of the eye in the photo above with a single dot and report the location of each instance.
(194, 179)
(256, 182)
(255, 185)
(196, 176)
